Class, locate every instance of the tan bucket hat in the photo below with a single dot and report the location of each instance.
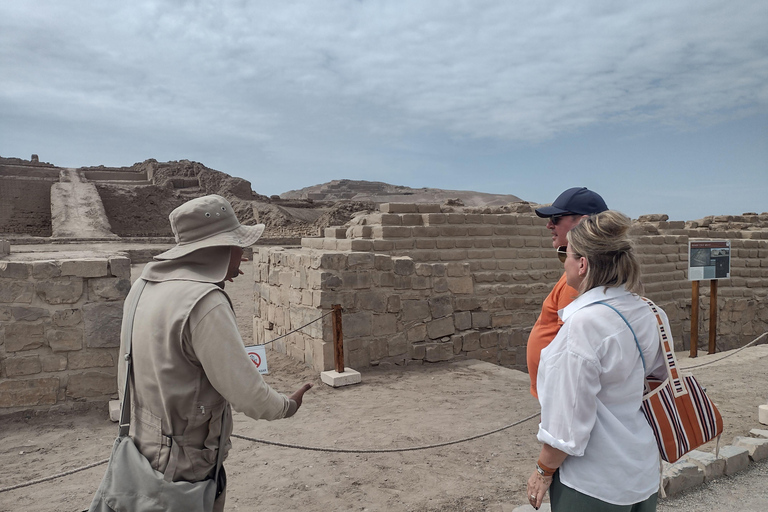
(208, 221)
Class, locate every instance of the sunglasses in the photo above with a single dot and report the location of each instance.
(562, 254)
(556, 218)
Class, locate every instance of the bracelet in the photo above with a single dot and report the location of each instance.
(544, 470)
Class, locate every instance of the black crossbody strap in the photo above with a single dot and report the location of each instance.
(126, 334)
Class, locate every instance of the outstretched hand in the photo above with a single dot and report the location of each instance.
(298, 395)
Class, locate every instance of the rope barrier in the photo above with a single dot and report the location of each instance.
(295, 330)
(384, 450)
(727, 355)
(287, 445)
(54, 477)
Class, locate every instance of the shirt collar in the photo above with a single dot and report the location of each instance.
(590, 297)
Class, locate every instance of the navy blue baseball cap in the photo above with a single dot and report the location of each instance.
(577, 200)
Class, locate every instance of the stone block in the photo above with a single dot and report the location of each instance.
(53, 362)
(428, 208)
(757, 448)
(120, 266)
(29, 314)
(397, 345)
(762, 414)
(680, 476)
(736, 459)
(758, 432)
(67, 317)
(383, 325)
(90, 359)
(85, 268)
(14, 270)
(102, 322)
(23, 336)
(335, 232)
(359, 358)
(440, 327)
(108, 288)
(65, 339)
(481, 319)
(357, 325)
(23, 365)
(5, 313)
(471, 341)
(489, 339)
(45, 270)
(28, 392)
(403, 265)
(61, 290)
(436, 352)
(440, 306)
(462, 320)
(416, 333)
(712, 466)
(5, 247)
(461, 285)
(415, 310)
(360, 260)
(16, 291)
(91, 385)
(393, 304)
(398, 208)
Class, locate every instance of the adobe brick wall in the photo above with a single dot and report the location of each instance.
(25, 205)
(60, 329)
(418, 284)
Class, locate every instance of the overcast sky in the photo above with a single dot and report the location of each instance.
(661, 106)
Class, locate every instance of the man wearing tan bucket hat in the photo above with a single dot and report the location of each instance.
(188, 360)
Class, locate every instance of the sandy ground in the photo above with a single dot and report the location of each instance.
(393, 408)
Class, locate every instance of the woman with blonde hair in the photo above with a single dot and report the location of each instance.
(598, 451)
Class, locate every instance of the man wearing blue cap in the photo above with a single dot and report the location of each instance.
(566, 212)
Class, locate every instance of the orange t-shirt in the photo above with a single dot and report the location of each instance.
(546, 326)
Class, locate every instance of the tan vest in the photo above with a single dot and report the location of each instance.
(175, 409)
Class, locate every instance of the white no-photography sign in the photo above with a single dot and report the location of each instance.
(258, 355)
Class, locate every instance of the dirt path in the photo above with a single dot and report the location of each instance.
(396, 408)
(76, 208)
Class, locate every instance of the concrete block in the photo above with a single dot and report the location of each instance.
(682, 475)
(114, 410)
(757, 448)
(712, 466)
(736, 459)
(762, 414)
(337, 380)
(758, 432)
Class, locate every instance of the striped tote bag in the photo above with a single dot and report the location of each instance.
(678, 409)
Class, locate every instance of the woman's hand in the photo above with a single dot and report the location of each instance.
(537, 488)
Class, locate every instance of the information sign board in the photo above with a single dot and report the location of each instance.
(709, 259)
(258, 355)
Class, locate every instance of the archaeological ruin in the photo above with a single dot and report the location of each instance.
(420, 281)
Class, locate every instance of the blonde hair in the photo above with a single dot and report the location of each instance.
(602, 239)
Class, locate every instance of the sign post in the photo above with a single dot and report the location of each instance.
(707, 260)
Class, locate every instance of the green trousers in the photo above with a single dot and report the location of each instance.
(564, 499)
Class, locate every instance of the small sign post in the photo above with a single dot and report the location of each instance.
(258, 355)
(707, 260)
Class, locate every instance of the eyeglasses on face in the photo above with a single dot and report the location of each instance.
(556, 218)
(562, 253)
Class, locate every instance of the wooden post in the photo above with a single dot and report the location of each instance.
(694, 318)
(338, 339)
(712, 315)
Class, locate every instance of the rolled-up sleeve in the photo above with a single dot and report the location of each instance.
(568, 385)
(218, 346)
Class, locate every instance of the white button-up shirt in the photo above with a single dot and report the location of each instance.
(590, 386)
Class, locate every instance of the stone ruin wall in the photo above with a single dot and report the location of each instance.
(25, 205)
(417, 284)
(60, 330)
